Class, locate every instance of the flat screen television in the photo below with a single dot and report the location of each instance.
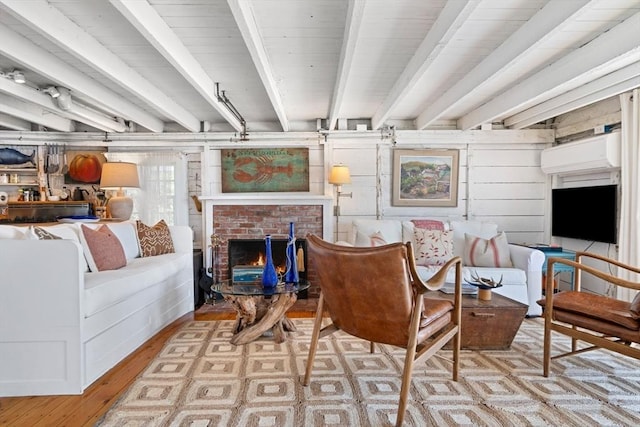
(586, 213)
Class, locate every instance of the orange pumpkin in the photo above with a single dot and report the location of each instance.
(85, 168)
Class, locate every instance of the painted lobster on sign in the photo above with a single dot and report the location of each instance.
(258, 169)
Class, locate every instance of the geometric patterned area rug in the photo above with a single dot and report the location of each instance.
(200, 379)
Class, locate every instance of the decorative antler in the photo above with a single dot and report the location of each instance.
(484, 281)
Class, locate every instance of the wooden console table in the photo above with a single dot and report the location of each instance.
(259, 309)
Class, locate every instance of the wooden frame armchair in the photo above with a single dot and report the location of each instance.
(602, 321)
(374, 293)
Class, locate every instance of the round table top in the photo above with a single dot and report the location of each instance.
(227, 287)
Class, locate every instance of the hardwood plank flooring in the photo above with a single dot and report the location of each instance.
(86, 409)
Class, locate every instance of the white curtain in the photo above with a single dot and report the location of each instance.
(629, 230)
(163, 186)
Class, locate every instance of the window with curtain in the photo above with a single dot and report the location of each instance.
(163, 186)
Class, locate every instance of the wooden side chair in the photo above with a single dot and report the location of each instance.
(601, 321)
(375, 294)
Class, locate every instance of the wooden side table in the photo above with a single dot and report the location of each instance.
(487, 324)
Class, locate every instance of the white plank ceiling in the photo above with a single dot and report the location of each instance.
(169, 65)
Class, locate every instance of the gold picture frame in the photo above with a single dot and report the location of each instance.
(425, 177)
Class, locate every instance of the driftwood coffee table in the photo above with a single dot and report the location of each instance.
(260, 310)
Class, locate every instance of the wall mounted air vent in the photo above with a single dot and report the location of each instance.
(599, 153)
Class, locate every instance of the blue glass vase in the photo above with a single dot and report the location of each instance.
(291, 274)
(269, 275)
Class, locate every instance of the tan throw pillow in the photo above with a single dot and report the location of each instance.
(105, 249)
(44, 234)
(479, 252)
(154, 240)
(432, 247)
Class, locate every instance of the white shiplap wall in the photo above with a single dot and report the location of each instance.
(500, 179)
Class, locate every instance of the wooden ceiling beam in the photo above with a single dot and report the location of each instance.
(14, 123)
(355, 13)
(56, 27)
(150, 24)
(546, 23)
(31, 95)
(44, 63)
(33, 113)
(612, 84)
(608, 52)
(453, 16)
(244, 17)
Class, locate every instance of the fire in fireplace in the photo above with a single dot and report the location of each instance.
(246, 253)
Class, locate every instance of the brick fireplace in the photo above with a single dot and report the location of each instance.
(233, 217)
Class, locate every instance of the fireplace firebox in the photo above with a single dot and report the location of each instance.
(246, 253)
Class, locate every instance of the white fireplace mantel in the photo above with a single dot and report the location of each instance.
(208, 202)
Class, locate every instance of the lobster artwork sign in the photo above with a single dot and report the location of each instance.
(247, 170)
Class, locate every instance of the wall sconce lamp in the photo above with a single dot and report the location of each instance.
(118, 175)
(339, 175)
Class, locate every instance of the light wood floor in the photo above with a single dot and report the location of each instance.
(86, 410)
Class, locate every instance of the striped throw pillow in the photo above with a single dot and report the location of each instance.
(479, 252)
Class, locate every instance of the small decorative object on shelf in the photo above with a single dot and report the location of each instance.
(291, 274)
(485, 285)
(269, 275)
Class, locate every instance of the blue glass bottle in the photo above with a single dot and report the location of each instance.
(269, 275)
(291, 274)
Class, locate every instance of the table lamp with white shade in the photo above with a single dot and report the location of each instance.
(119, 175)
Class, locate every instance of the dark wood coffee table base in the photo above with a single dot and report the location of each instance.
(487, 325)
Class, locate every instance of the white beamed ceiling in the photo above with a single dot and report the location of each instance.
(284, 64)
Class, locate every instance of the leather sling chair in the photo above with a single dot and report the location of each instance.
(601, 321)
(374, 293)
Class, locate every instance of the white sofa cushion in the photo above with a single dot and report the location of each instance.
(485, 230)
(510, 276)
(363, 229)
(112, 286)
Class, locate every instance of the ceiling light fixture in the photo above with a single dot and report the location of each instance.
(65, 103)
(52, 91)
(18, 77)
(15, 75)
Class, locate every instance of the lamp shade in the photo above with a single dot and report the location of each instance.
(339, 175)
(118, 175)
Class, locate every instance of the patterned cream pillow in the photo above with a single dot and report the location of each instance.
(44, 234)
(154, 240)
(432, 247)
(494, 252)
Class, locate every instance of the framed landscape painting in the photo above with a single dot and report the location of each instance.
(425, 177)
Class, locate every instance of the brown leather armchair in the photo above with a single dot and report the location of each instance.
(375, 294)
(602, 321)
